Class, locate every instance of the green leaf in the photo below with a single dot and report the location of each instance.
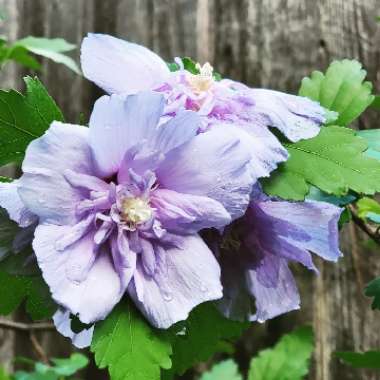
(341, 89)
(129, 346)
(376, 103)
(50, 48)
(61, 369)
(21, 55)
(333, 161)
(372, 137)
(366, 206)
(190, 65)
(205, 330)
(317, 195)
(373, 290)
(24, 118)
(14, 289)
(369, 359)
(3, 374)
(4, 179)
(71, 365)
(22, 375)
(287, 360)
(173, 66)
(226, 370)
(286, 184)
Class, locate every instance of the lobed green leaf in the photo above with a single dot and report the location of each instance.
(24, 118)
(52, 48)
(287, 360)
(369, 208)
(205, 332)
(129, 346)
(333, 161)
(341, 89)
(372, 137)
(369, 359)
(226, 370)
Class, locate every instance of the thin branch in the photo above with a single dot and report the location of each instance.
(26, 327)
(371, 231)
(38, 348)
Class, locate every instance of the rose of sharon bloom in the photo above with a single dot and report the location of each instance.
(122, 67)
(257, 248)
(120, 205)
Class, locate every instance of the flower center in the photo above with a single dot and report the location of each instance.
(202, 81)
(136, 210)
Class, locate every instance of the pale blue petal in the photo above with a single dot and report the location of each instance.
(189, 277)
(121, 67)
(118, 123)
(213, 164)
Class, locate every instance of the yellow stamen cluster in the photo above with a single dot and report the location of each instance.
(202, 81)
(136, 210)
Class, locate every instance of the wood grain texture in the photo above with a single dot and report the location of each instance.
(265, 44)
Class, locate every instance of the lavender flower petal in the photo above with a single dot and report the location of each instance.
(62, 322)
(212, 164)
(80, 279)
(185, 213)
(190, 276)
(275, 300)
(43, 187)
(271, 234)
(118, 123)
(295, 116)
(121, 67)
(11, 201)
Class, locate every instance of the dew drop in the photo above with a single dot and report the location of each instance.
(204, 288)
(167, 297)
(59, 246)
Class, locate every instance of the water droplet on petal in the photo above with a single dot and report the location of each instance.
(204, 289)
(59, 246)
(167, 296)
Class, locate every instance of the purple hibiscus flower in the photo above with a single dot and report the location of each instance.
(120, 204)
(122, 67)
(257, 248)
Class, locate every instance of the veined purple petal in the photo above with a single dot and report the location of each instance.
(121, 67)
(62, 323)
(192, 276)
(277, 299)
(186, 213)
(11, 201)
(118, 123)
(318, 219)
(295, 116)
(43, 187)
(177, 131)
(271, 234)
(213, 164)
(266, 151)
(124, 259)
(86, 285)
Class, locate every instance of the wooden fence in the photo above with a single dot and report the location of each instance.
(265, 43)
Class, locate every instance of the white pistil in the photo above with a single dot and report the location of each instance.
(203, 81)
